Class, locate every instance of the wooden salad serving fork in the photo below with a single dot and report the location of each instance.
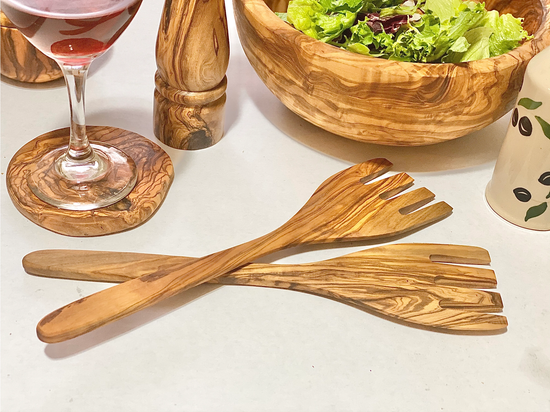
(344, 208)
(407, 282)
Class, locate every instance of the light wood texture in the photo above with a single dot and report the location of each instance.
(380, 101)
(398, 281)
(192, 57)
(155, 175)
(20, 60)
(343, 208)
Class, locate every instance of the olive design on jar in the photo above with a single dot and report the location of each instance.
(525, 126)
(515, 117)
(545, 179)
(524, 123)
(522, 194)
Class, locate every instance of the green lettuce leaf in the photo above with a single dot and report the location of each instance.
(468, 18)
(461, 44)
(363, 39)
(478, 48)
(282, 16)
(342, 5)
(449, 31)
(376, 6)
(311, 18)
(507, 32)
(444, 9)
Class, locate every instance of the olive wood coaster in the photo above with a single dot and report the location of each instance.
(407, 282)
(20, 60)
(192, 55)
(155, 175)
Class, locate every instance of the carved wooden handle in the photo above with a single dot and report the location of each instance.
(117, 302)
(192, 57)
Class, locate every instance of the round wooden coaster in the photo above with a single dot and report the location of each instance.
(155, 175)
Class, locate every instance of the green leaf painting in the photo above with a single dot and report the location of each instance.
(529, 104)
(536, 211)
(545, 126)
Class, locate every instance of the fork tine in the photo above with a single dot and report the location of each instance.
(465, 276)
(470, 299)
(395, 185)
(469, 255)
(459, 320)
(434, 252)
(425, 215)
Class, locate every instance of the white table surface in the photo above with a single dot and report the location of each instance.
(237, 348)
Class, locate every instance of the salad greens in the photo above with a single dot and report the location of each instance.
(448, 31)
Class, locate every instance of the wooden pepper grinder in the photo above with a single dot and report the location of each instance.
(192, 55)
(20, 60)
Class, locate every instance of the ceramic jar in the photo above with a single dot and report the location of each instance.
(519, 190)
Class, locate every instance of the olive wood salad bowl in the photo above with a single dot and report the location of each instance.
(381, 101)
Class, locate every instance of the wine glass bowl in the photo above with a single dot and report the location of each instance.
(80, 175)
(74, 32)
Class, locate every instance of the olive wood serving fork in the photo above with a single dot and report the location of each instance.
(343, 208)
(407, 282)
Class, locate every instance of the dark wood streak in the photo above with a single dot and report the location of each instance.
(167, 15)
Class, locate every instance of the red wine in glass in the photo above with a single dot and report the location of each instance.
(68, 30)
(80, 176)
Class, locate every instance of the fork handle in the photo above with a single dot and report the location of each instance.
(99, 266)
(103, 266)
(368, 283)
(106, 306)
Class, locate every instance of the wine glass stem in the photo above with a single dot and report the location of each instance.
(79, 147)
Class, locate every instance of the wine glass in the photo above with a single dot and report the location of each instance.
(80, 175)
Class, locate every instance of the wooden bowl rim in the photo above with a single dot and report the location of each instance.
(259, 10)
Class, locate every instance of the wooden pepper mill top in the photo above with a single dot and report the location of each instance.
(20, 60)
(192, 57)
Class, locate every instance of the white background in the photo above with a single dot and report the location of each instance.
(257, 349)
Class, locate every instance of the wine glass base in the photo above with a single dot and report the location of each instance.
(70, 185)
(155, 175)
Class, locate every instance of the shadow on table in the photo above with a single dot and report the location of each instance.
(469, 151)
(121, 327)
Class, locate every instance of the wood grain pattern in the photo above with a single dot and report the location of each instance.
(155, 175)
(343, 208)
(401, 281)
(20, 60)
(192, 57)
(380, 101)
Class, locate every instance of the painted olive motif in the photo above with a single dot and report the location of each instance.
(515, 117)
(525, 126)
(522, 194)
(545, 179)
